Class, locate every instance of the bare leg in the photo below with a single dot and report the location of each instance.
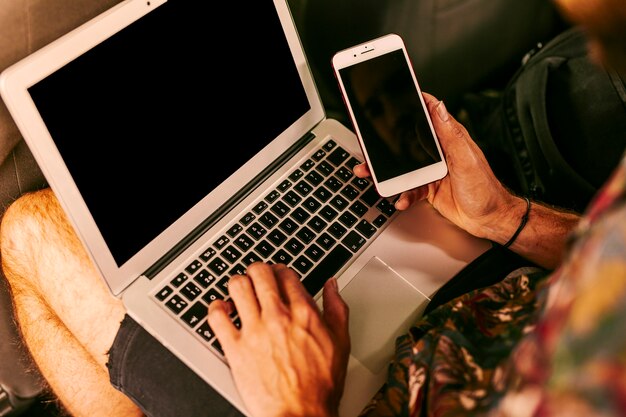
(66, 314)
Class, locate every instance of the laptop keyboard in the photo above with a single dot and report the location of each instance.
(314, 221)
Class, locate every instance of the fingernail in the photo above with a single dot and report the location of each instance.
(442, 112)
(333, 283)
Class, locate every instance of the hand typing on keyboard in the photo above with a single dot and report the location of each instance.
(287, 358)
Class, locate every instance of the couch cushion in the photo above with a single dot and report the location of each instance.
(27, 25)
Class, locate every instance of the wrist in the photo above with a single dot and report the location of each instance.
(504, 225)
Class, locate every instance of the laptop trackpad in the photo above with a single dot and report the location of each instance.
(383, 305)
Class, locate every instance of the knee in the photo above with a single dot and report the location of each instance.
(25, 224)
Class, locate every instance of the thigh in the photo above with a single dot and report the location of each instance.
(43, 257)
(159, 383)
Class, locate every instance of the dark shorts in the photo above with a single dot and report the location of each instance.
(158, 382)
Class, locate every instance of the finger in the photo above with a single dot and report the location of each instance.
(301, 305)
(264, 280)
(362, 170)
(243, 296)
(221, 324)
(407, 198)
(336, 313)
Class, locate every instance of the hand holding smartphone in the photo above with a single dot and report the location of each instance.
(389, 115)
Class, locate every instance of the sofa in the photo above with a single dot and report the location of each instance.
(457, 46)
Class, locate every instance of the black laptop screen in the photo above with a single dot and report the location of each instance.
(154, 118)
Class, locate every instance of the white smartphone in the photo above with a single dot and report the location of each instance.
(389, 115)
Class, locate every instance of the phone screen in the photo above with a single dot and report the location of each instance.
(388, 110)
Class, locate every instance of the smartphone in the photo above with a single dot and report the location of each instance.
(389, 115)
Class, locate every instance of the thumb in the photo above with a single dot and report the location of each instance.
(336, 312)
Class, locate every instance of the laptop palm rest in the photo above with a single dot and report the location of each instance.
(383, 305)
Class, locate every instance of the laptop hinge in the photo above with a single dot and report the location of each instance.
(218, 214)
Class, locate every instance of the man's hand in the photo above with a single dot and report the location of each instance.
(288, 359)
(470, 195)
(474, 199)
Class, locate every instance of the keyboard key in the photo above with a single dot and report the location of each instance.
(205, 278)
(218, 266)
(176, 303)
(234, 230)
(366, 228)
(314, 178)
(280, 209)
(244, 242)
(288, 226)
(386, 207)
(294, 246)
(347, 219)
(334, 184)
(325, 168)
(370, 196)
(317, 224)
(256, 231)
(190, 291)
(247, 219)
(353, 241)
(264, 248)
(282, 257)
(311, 204)
(292, 198)
(302, 264)
(379, 221)
(360, 183)
(344, 174)
(300, 215)
(350, 192)
(205, 331)
(207, 254)
(250, 258)
(284, 186)
(179, 279)
(318, 155)
(337, 230)
(326, 269)
(305, 234)
(193, 267)
(223, 285)
(322, 194)
(230, 254)
(276, 237)
(338, 202)
(296, 175)
(218, 347)
(238, 269)
(314, 252)
(258, 209)
(338, 156)
(308, 164)
(330, 145)
(325, 241)
(272, 196)
(352, 162)
(358, 208)
(195, 314)
(268, 220)
(328, 213)
(212, 295)
(164, 293)
(221, 242)
(303, 188)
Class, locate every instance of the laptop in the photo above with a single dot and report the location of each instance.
(182, 153)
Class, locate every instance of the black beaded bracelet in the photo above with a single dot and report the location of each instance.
(521, 225)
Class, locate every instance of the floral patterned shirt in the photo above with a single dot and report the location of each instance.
(532, 345)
